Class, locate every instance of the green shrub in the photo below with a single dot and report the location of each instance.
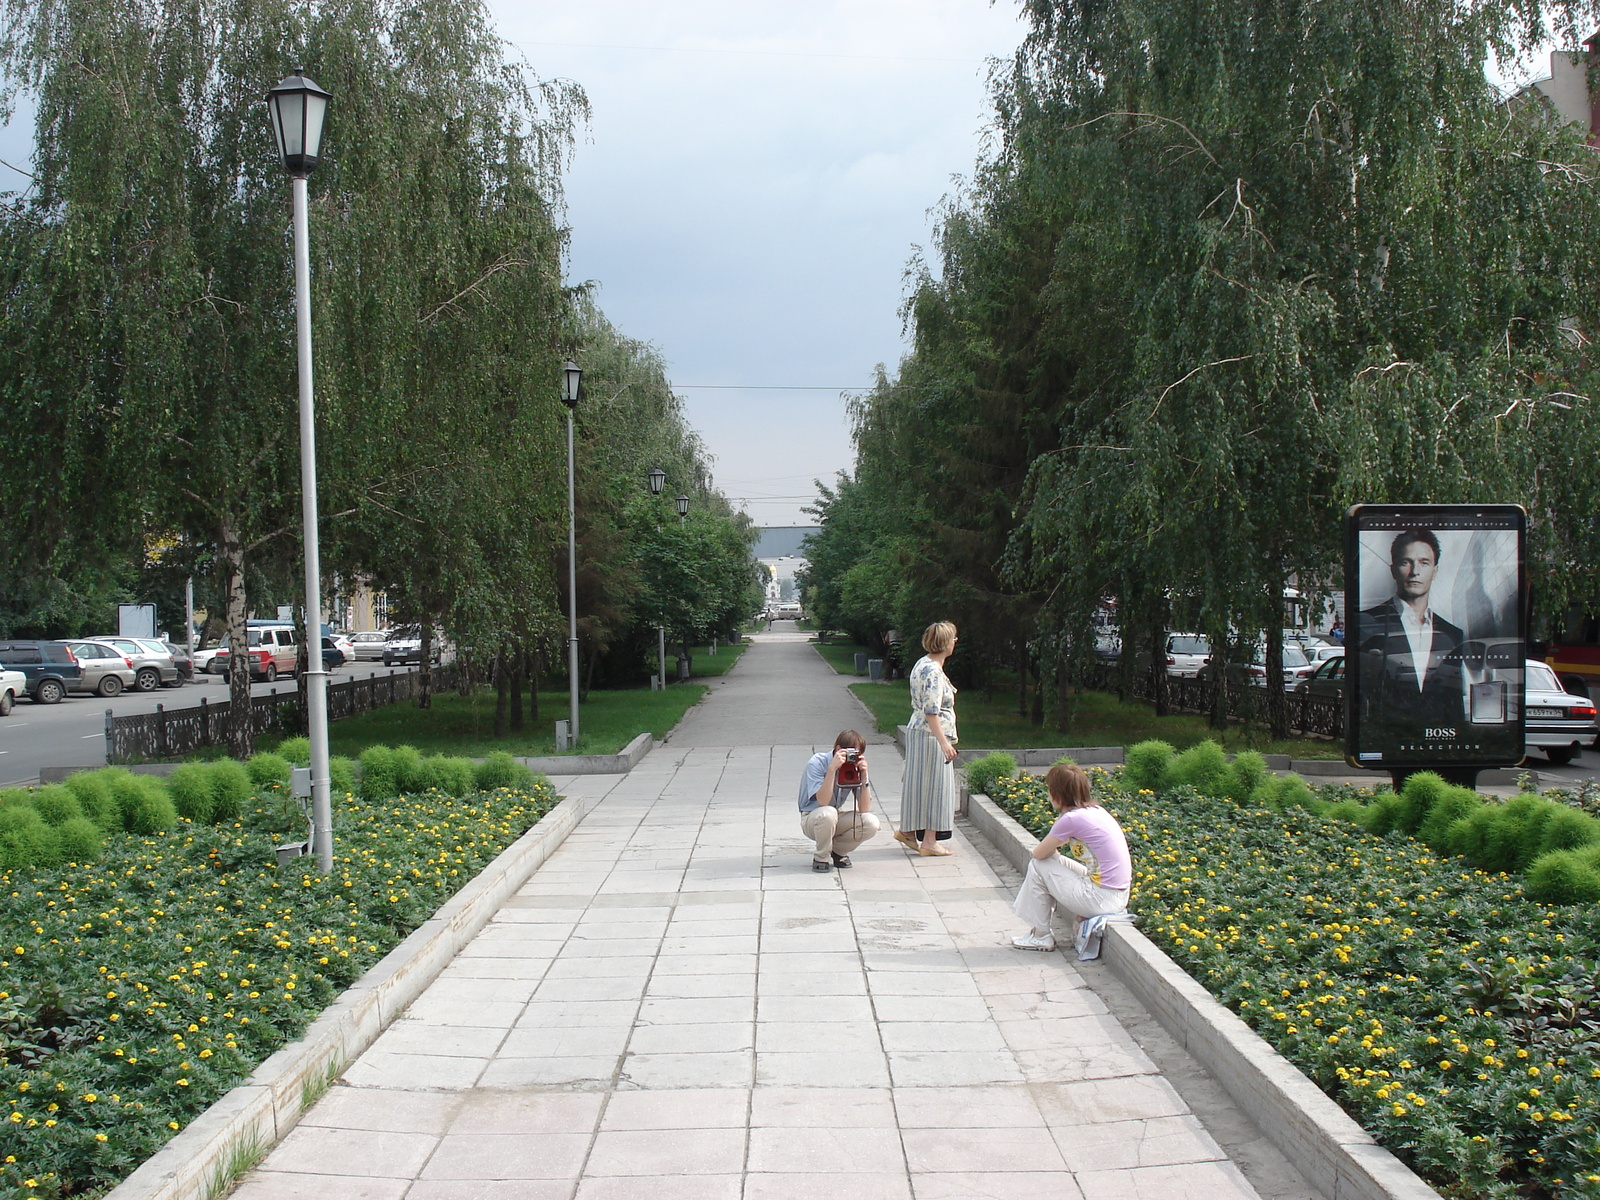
(231, 790)
(56, 804)
(409, 773)
(1456, 804)
(1145, 766)
(1568, 829)
(190, 789)
(1291, 789)
(1352, 811)
(10, 796)
(297, 750)
(1246, 773)
(500, 770)
(452, 776)
(81, 840)
(1467, 837)
(1562, 877)
(378, 781)
(1066, 760)
(1203, 766)
(1417, 798)
(266, 768)
(982, 772)
(93, 791)
(1383, 812)
(25, 840)
(146, 806)
(342, 775)
(1514, 839)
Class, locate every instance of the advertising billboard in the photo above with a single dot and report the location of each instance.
(1434, 648)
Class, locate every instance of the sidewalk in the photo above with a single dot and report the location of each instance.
(675, 1005)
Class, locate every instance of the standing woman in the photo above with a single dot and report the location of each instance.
(928, 797)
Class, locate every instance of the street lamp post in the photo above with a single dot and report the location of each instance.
(657, 477)
(571, 378)
(299, 107)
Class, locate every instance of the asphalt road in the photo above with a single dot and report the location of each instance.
(72, 733)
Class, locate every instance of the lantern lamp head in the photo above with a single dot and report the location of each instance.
(571, 379)
(657, 478)
(683, 506)
(299, 108)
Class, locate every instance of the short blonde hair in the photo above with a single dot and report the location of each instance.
(939, 637)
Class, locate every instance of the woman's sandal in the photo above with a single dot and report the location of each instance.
(936, 852)
(905, 839)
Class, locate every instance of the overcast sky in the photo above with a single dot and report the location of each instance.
(753, 183)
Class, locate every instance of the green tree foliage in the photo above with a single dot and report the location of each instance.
(1229, 269)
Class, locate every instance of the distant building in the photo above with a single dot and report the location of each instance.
(778, 552)
(1566, 92)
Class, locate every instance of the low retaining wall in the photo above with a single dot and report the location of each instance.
(1087, 756)
(594, 764)
(1328, 1147)
(260, 1111)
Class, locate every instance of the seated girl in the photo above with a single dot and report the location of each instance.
(1085, 889)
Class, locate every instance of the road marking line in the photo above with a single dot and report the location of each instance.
(87, 736)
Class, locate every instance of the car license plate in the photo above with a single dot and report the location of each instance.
(1547, 714)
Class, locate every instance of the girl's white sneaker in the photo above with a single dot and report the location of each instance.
(1034, 940)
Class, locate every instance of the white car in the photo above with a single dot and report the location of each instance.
(367, 646)
(1186, 654)
(1556, 723)
(12, 685)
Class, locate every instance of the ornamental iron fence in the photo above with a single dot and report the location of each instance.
(1315, 716)
(166, 735)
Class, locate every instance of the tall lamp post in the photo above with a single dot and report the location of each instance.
(571, 378)
(298, 107)
(658, 477)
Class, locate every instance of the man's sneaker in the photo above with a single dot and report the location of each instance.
(819, 864)
(841, 861)
(1034, 940)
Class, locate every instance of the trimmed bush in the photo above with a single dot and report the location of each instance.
(93, 791)
(500, 770)
(1292, 790)
(409, 773)
(146, 806)
(191, 792)
(266, 768)
(296, 750)
(1456, 804)
(1145, 766)
(1562, 877)
(56, 804)
(1466, 837)
(1383, 812)
(10, 796)
(1568, 829)
(1417, 798)
(342, 774)
(1246, 773)
(1066, 760)
(378, 780)
(982, 772)
(81, 840)
(1352, 811)
(1203, 766)
(25, 840)
(231, 790)
(452, 776)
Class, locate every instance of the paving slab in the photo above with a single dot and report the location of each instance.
(675, 1004)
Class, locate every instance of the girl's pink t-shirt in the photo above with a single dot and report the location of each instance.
(1102, 837)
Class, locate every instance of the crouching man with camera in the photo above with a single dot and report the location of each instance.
(836, 801)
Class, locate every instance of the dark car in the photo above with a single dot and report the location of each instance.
(50, 667)
(332, 656)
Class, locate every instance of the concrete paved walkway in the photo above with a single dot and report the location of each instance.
(677, 1006)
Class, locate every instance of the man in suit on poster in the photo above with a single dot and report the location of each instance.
(1412, 682)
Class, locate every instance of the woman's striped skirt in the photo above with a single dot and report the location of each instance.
(928, 794)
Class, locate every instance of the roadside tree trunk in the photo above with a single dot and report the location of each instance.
(536, 670)
(425, 669)
(1160, 690)
(501, 694)
(519, 670)
(241, 738)
(1277, 698)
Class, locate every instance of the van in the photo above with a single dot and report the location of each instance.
(271, 648)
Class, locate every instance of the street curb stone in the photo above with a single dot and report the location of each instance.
(594, 764)
(259, 1112)
(1317, 1136)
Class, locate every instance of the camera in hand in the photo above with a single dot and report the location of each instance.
(852, 771)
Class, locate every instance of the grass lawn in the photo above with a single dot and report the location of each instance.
(1100, 720)
(842, 656)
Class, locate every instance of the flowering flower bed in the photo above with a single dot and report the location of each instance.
(1456, 1020)
(136, 990)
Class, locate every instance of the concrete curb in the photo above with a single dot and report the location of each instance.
(260, 1111)
(1038, 756)
(594, 764)
(1313, 1133)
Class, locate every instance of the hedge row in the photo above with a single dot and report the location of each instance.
(1556, 846)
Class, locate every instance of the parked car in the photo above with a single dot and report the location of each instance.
(1321, 652)
(1556, 723)
(271, 649)
(1292, 670)
(332, 656)
(1186, 654)
(152, 661)
(106, 670)
(341, 643)
(12, 685)
(405, 646)
(368, 646)
(1326, 678)
(182, 659)
(50, 668)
